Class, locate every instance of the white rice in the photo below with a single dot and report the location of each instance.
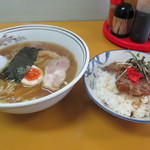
(120, 102)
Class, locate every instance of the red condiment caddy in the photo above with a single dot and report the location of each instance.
(125, 42)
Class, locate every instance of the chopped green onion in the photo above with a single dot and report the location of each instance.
(138, 55)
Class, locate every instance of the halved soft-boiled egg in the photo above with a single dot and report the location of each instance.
(33, 77)
(3, 62)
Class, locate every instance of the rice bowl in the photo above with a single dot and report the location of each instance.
(101, 87)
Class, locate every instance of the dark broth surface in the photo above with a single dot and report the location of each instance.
(22, 93)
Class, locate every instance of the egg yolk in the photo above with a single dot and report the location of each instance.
(32, 74)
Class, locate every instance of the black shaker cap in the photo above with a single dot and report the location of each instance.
(124, 10)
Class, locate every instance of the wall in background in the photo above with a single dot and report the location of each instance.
(53, 10)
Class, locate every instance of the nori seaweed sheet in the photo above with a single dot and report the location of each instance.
(20, 64)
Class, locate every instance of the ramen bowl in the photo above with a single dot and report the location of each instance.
(100, 86)
(52, 34)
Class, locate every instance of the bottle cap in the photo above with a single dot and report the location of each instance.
(116, 2)
(124, 10)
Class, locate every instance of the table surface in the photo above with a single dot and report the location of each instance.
(76, 122)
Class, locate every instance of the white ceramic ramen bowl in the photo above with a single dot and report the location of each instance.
(52, 34)
(92, 81)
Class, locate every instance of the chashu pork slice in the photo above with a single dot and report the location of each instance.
(55, 73)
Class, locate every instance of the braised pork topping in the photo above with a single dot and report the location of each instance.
(133, 76)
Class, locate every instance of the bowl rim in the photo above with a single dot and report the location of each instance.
(67, 87)
(107, 109)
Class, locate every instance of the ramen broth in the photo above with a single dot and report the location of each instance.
(17, 92)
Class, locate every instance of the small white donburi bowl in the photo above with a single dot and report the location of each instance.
(91, 78)
(45, 33)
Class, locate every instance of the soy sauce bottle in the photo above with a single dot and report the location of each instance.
(122, 20)
(140, 30)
